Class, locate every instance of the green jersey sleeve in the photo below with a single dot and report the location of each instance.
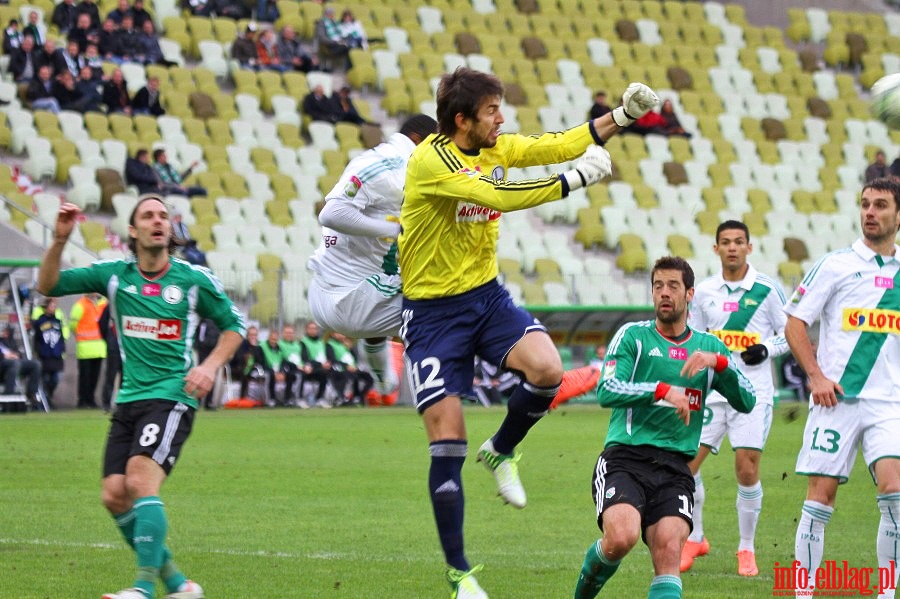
(90, 279)
(214, 304)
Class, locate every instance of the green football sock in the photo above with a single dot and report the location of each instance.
(666, 586)
(595, 571)
(170, 574)
(150, 527)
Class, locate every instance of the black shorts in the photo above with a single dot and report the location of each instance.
(656, 482)
(156, 428)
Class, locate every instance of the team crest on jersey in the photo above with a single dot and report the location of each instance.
(498, 174)
(610, 492)
(353, 187)
(472, 213)
(798, 294)
(172, 294)
(749, 301)
(609, 369)
(471, 172)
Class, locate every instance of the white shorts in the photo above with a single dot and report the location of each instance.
(832, 435)
(362, 312)
(745, 431)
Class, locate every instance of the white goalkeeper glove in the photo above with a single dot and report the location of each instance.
(594, 165)
(637, 101)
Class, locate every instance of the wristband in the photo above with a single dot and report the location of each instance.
(721, 363)
(661, 390)
(621, 118)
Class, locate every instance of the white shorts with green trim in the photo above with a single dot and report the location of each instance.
(745, 431)
(832, 436)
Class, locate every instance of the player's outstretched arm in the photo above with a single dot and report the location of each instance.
(637, 101)
(48, 275)
(593, 166)
(824, 390)
(199, 380)
(345, 218)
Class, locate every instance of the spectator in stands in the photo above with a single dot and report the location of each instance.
(146, 100)
(328, 37)
(83, 33)
(198, 8)
(89, 8)
(879, 168)
(140, 173)
(50, 333)
(352, 31)
(281, 371)
(40, 91)
(115, 94)
(12, 37)
(267, 52)
(35, 29)
(599, 356)
(292, 52)
(129, 47)
(70, 58)
(150, 47)
(171, 180)
(343, 107)
(188, 245)
(243, 49)
(14, 366)
(90, 346)
(65, 15)
(600, 106)
(88, 87)
(25, 61)
(70, 96)
(267, 11)
(794, 378)
(652, 122)
(107, 41)
(91, 59)
(54, 57)
(140, 15)
(318, 106)
(118, 13)
(672, 125)
(232, 9)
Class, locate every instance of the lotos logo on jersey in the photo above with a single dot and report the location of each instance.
(694, 399)
(737, 340)
(871, 320)
(678, 353)
(151, 328)
(472, 213)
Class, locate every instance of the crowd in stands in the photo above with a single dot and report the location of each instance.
(159, 176)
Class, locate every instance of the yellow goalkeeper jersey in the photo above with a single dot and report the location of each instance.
(453, 201)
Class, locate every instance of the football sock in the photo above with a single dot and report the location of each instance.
(810, 542)
(666, 586)
(527, 404)
(378, 355)
(149, 541)
(749, 504)
(886, 545)
(699, 499)
(445, 486)
(595, 571)
(170, 574)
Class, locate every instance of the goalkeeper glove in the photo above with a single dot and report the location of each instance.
(637, 101)
(755, 354)
(594, 165)
(391, 238)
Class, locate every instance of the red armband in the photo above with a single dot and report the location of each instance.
(721, 363)
(661, 390)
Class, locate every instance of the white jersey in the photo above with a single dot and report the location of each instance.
(373, 184)
(855, 293)
(741, 314)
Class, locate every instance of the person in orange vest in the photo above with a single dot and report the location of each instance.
(90, 346)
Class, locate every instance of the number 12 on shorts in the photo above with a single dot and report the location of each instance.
(828, 442)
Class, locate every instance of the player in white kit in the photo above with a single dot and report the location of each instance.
(854, 377)
(356, 288)
(744, 309)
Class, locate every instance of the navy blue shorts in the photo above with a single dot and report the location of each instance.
(442, 337)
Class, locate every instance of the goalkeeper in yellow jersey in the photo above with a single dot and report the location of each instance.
(454, 308)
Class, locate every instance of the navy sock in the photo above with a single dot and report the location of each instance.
(527, 404)
(445, 486)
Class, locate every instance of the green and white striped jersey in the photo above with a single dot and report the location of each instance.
(639, 358)
(155, 320)
(855, 294)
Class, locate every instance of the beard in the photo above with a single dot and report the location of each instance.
(669, 317)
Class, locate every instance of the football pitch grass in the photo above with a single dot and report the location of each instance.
(281, 504)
